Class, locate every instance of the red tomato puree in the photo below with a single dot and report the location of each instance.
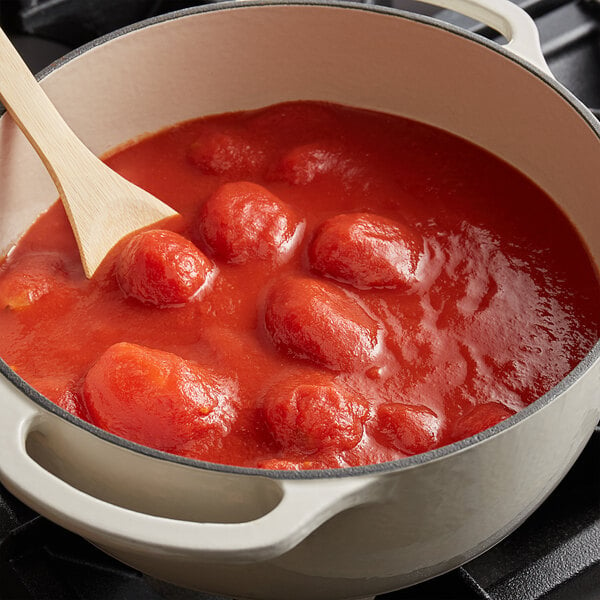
(343, 288)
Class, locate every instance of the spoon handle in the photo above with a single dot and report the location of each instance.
(96, 199)
(35, 114)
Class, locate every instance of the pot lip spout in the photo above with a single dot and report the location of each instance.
(580, 370)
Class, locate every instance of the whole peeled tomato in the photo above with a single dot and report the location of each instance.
(366, 251)
(62, 392)
(156, 398)
(303, 164)
(244, 221)
(162, 268)
(29, 278)
(316, 415)
(306, 318)
(226, 153)
(412, 429)
(480, 417)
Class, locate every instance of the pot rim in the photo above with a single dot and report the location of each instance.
(386, 467)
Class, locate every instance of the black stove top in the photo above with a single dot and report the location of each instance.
(554, 555)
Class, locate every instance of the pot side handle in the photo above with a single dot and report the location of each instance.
(304, 505)
(508, 19)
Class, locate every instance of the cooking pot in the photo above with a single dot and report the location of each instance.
(333, 534)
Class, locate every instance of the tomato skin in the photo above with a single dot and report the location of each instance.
(315, 320)
(479, 418)
(162, 268)
(412, 429)
(316, 415)
(244, 221)
(366, 251)
(156, 398)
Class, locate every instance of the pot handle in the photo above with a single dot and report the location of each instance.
(508, 19)
(305, 504)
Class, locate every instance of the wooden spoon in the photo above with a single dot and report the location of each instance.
(102, 206)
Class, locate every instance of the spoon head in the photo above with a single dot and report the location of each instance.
(105, 211)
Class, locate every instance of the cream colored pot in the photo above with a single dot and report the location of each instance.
(312, 535)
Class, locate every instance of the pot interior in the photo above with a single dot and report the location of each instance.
(249, 56)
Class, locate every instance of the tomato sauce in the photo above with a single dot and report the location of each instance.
(343, 288)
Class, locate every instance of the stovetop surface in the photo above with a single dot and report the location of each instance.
(554, 555)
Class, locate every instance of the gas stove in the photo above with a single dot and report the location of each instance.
(554, 555)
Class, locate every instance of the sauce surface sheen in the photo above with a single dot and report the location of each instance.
(354, 288)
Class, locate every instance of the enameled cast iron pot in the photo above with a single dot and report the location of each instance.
(311, 535)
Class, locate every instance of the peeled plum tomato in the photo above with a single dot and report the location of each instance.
(162, 268)
(480, 417)
(243, 221)
(225, 153)
(315, 416)
(63, 393)
(28, 279)
(302, 164)
(156, 398)
(316, 320)
(409, 428)
(366, 251)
